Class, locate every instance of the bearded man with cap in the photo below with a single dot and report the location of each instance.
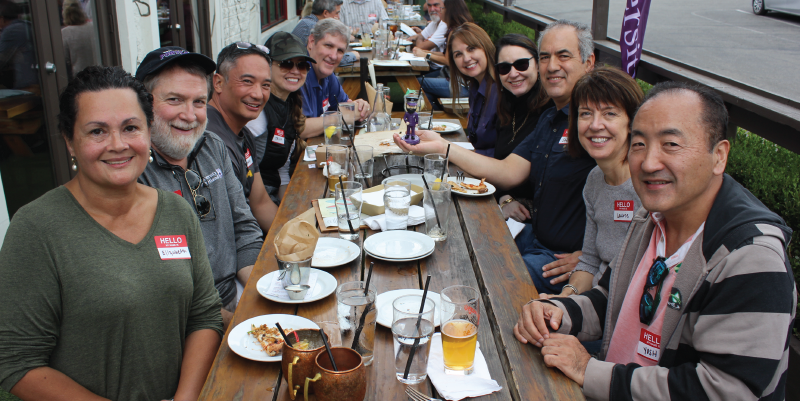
(194, 164)
(278, 128)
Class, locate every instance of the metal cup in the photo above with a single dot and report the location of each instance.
(298, 364)
(294, 273)
(349, 383)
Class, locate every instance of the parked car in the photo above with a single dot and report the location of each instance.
(761, 7)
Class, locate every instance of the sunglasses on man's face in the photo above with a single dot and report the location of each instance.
(287, 65)
(520, 64)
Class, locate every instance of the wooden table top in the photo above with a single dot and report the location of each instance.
(479, 252)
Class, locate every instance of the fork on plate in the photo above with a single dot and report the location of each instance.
(418, 396)
(459, 176)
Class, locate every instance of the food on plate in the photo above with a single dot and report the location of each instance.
(268, 337)
(386, 142)
(455, 186)
(439, 127)
(469, 188)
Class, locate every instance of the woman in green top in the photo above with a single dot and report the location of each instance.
(105, 287)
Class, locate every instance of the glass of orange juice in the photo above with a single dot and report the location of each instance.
(460, 314)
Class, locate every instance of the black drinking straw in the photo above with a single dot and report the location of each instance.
(366, 309)
(328, 348)
(281, 330)
(433, 202)
(445, 168)
(417, 340)
(345, 203)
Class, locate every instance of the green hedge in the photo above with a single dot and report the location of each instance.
(493, 23)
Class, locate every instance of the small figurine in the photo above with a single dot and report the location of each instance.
(411, 119)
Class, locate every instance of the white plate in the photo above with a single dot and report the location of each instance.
(332, 252)
(246, 346)
(362, 49)
(473, 181)
(401, 259)
(404, 42)
(415, 179)
(326, 285)
(354, 44)
(384, 301)
(449, 127)
(399, 244)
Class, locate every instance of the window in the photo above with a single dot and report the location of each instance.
(272, 12)
(299, 4)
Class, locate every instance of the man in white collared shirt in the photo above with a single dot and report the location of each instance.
(354, 12)
(433, 36)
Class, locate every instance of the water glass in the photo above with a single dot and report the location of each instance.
(348, 111)
(356, 313)
(459, 305)
(363, 164)
(412, 332)
(435, 169)
(348, 201)
(437, 208)
(397, 199)
(332, 127)
(336, 157)
(331, 330)
(423, 118)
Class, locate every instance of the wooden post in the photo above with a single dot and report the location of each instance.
(600, 19)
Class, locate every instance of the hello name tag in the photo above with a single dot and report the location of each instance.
(172, 247)
(248, 158)
(563, 139)
(648, 347)
(279, 137)
(325, 105)
(624, 210)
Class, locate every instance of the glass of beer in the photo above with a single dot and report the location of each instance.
(460, 316)
(337, 163)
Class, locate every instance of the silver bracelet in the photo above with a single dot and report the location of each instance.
(572, 287)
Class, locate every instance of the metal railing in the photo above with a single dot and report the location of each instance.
(766, 114)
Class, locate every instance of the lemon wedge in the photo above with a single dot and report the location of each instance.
(329, 131)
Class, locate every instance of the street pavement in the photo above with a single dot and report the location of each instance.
(722, 36)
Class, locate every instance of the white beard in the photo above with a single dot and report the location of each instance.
(175, 147)
(435, 18)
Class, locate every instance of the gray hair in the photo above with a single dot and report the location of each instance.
(330, 26)
(320, 6)
(583, 33)
(152, 81)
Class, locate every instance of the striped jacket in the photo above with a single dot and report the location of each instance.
(729, 339)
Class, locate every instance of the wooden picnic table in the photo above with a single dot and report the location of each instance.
(406, 76)
(479, 252)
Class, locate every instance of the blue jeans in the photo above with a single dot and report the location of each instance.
(536, 256)
(437, 87)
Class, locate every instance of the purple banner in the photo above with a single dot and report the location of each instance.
(632, 34)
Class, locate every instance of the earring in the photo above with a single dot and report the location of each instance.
(74, 163)
(151, 156)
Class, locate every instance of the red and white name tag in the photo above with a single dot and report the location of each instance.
(248, 158)
(648, 347)
(325, 105)
(563, 139)
(624, 210)
(172, 247)
(372, 18)
(279, 137)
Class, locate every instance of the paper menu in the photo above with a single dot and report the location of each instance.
(407, 30)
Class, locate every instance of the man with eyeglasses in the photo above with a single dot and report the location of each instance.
(194, 164)
(700, 302)
(240, 89)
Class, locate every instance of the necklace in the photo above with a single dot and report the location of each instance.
(515, 131)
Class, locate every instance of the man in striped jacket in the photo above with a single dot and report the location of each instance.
(700, 300)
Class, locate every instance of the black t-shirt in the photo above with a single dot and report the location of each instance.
(240, 148)
(280, 135)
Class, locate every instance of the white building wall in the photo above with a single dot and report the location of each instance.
(240, 20)
(138, 35)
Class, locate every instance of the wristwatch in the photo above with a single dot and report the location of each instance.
(428, 57)
(508, 200)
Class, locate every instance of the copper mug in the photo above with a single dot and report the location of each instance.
(349, 383)
(298, 364)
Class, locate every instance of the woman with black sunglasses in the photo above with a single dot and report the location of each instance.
(282, 120)
(520, 104)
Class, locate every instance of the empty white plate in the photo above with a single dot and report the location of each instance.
(399, 244)
(246, 346)
(403, 259)
(384, 301)
(332, 252)
(326, 285)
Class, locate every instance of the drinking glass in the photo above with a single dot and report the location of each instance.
(336, 157)
(348, 111)
(331, 330)
(460, 316)
(348, 201)
(397, 199)
(356, 314)
(437, 208)
(380, 49)
(423, 118)
(363, 164)
(412, 332)
(332, 127)
(435, 169)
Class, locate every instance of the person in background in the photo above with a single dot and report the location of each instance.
(17, 53)
(105, 284)
(194, 164)
(700, 300)
(433, 37)
(240, 89)
(472, 52)
(354, 12)
(520, 103)
(558, 213)
(322, 9)
(436, 84)
(77, 37)
(283, 117)
(322, 91)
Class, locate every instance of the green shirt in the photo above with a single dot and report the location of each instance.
(111, 315)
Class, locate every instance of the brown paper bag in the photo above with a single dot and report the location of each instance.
(297, 239)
